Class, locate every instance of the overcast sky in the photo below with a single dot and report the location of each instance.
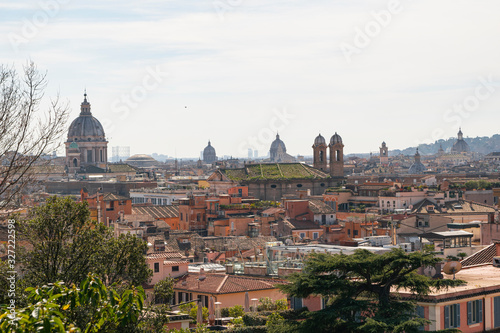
(166, 76)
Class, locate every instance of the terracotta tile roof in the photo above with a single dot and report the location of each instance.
(110, 196)
(483, 256)
(250, 253)
(157, 212)
(304, 225)
(319, 207)
(174, 263)
(272, 211)
(114, 197)
(452, 207)
(223, 283)
(164, 255)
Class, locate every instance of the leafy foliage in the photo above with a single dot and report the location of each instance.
(267, 304)
(237, 322)
(236, 311)
(358, 289)
(164, 290)
(248, 329)
(191, 309)
(91, 308)
(65, 245)
(264, 204)
(254, 319)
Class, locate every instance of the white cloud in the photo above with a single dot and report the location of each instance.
(265, 54)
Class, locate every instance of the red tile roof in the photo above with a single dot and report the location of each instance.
(164, 255)
(223, 283)
(157, 212)
(483, 256)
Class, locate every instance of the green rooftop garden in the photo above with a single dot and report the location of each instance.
(273, 171)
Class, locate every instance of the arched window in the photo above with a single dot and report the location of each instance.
(75, 162)
(321, 156)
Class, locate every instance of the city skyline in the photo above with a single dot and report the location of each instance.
(238, 72)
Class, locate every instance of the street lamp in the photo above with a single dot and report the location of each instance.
(254, 304)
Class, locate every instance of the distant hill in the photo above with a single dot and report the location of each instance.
(483, 145)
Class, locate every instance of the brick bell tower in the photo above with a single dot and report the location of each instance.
(336, 156)
(319, 153)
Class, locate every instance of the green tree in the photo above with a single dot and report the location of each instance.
(65, 245)
(275, 323)
(358, 288)
(164, 290)
(91, 308)
(122, 260)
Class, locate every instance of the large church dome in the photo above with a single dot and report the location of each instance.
(86, 127)
(417, 167)
(460, 146)
(278, 143)
(86, 145)
(209, 155)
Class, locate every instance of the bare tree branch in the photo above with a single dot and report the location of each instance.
(26, 132)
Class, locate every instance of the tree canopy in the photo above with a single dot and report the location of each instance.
(360, 290)
(65, 245)
(90, 307)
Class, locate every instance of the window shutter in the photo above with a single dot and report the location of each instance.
(458, 315)
(420, 311)
(447, 316)
(469, 313)
(480, 319)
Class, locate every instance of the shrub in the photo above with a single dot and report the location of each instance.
(224, 312)
(237, 322)
(248, 329)
(254, 319)
(294, 314)
(236, 311)
(275, 323)
(267, 304)
(193, 313)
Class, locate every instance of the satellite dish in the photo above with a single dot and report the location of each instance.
(430, 271)
(452, 267)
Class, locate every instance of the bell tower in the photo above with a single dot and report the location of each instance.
(319, 153)
(336, 156)
(384, 154)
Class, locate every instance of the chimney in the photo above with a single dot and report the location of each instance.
(202, 274)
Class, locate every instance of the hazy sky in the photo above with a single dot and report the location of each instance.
(166, 76)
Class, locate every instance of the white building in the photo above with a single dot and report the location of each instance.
(160, 196)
